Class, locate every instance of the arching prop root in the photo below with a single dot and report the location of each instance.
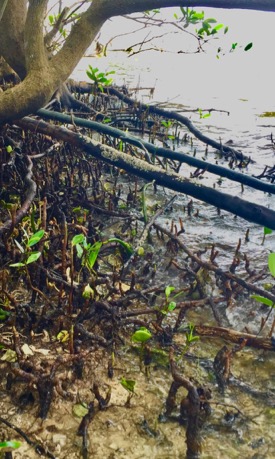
(245, 209)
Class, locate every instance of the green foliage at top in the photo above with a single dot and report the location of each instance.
(148, 12)
(207, 27)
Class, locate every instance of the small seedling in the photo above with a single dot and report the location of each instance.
(169, 304)
(142, 335)
(266, 231)
(190, 337)
(24, 249)
(129, 385)
(262, 299)
(88, 253)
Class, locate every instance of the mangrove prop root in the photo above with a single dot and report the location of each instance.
(30, 195)
(83, 429)
(222, 367)
(213, 267)
(254, 341)
(158, 152)
(247, 210)
(224, 149)
(192, 409)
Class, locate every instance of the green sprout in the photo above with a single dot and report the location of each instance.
(266, 232)
(129, 385)
(88, 253)
(190, 337)
(28, 257)
(169, 305)
(142, 335)
(271, 266)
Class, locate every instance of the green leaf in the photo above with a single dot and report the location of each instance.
(142, 335)
(127, 247)
(91, 75)
(168, 290)
(93, 253)
(172, 305)
(267, 230)
(271, 263)
(9, 149)
(216, 28)
(35, 238)
(4, 314)
(10, 445)
(225, 29)
(33, 257)
(210, 21)
(262, 299)
(63, 336)
(248, 46)
(128, 384)
(78, 239)
(88, 292)
(80, 410)
(79, 250)
(17, 265)
(195, 15)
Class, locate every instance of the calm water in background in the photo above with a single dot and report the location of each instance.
(200, 80)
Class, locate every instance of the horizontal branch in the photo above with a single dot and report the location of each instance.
(223, 149)
(255, 341)
(245, 209)
(126, 7)
(160, 151)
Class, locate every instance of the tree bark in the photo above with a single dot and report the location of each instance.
(12, 27)
(121, 7)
